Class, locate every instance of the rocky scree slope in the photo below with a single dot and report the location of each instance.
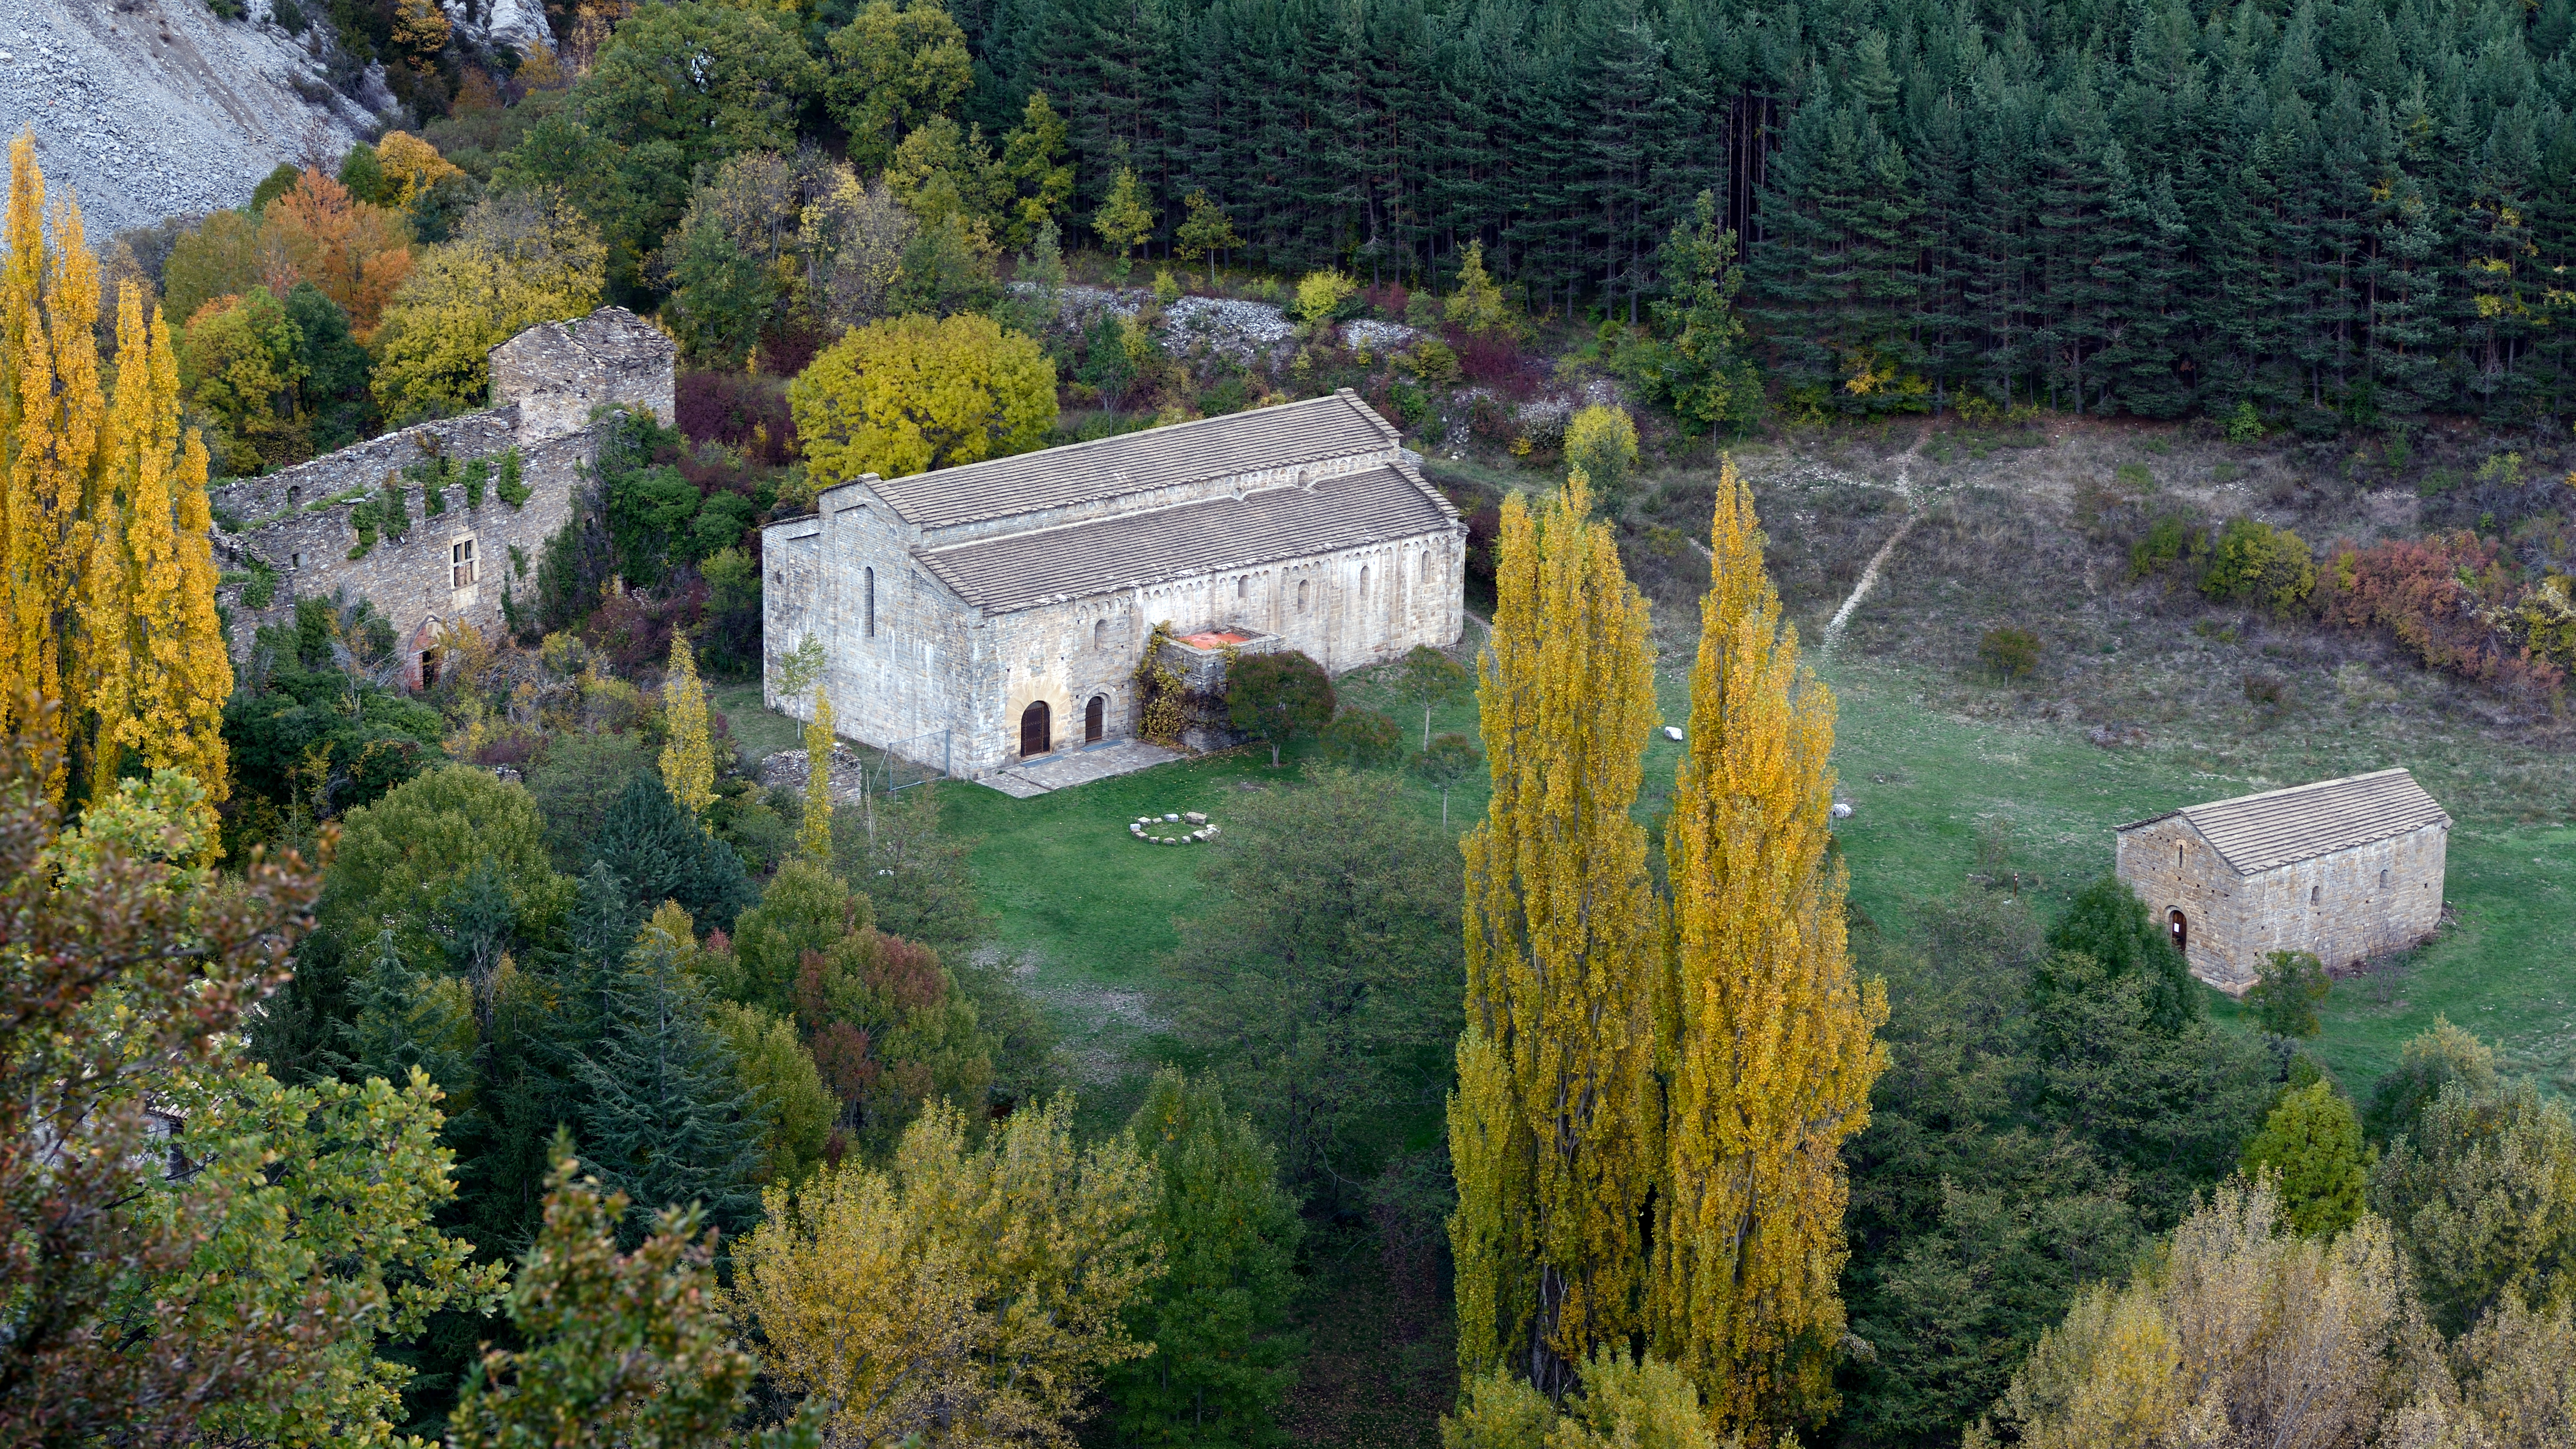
(154, 108)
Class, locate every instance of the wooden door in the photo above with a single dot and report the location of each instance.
(2180, 928)
(1034, 736)
(1095, 719)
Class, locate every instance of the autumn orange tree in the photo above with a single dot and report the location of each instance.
(1767, 1044)
(107, 574)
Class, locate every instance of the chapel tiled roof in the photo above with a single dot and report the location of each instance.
(1132, 550)
(2255, 833)
(1274, 437)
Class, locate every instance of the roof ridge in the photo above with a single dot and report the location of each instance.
(2293, 790)
(1130, 515)
(1159, 430)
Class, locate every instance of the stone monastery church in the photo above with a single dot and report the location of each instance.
(977, 616)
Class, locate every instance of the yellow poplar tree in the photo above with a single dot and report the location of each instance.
(688, 757)
(1770, 1039)
(1551, 1132)
(814, 835)
(107, 573)
(168, 709)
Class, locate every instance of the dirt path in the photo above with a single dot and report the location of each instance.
(1878, 560)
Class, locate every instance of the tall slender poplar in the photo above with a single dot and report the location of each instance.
(1551, 1136)
(688, 756)
(1769, 1040)
(168, 642)
(814, 835)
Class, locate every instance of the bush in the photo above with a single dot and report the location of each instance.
(2443, 596)
(745, 413)
(2245, 425)
(1321, 296)
(2009, 652)
(2268, 690)
(2255, 563)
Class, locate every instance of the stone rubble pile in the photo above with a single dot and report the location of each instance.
(1189, 828)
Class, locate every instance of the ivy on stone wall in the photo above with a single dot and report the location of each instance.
(512, 491)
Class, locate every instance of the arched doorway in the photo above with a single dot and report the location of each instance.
(1095, 720)
(1034, 736)
(2179, 929)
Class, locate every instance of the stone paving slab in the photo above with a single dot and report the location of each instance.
(1031, 778)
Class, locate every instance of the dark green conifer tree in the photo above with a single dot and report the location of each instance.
(667, 1121)
(663, 854)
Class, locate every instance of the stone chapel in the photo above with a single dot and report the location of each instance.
(973, 617)
(2343, 869)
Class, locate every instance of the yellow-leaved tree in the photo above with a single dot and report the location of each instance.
(814, 832)
(688, 756)
(910, 394)
(1551, 1130)
(1769, 1038)
(519, 258)
(109, 569)
(972, 1295)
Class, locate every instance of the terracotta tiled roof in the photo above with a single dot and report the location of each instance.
(2254, 833)
(1246, 442)
(1132, 550)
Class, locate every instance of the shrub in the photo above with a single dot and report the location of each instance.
(745, 413)
(2253, 562)
(1493, 359)
(1431, 360)
(2443, 596)
(1322, 295)
(2009, 652)
(2168, 540)
(2268, 690)
(2245, 425)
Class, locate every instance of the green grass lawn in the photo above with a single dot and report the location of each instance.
(1091, 910)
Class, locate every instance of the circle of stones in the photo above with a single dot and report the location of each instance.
(1180, 827)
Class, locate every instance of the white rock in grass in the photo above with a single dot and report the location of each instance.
(1672, 732)
(1174, 819)
(1194, 817)
(1842, 811)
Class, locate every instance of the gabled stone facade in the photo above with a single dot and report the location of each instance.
(1008, 603)
(454, 565)
(2342, 869)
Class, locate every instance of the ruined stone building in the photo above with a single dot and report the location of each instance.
(2343, 869)
(479, 494)
(976, 616)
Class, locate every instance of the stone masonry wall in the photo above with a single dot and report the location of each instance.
(2342, 907)
(451, 567)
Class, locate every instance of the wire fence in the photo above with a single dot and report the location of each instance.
(906, 763)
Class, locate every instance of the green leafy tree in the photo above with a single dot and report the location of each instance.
(1205, 232)
(1223, 1358)
(670, 1121)
(805, 908)
(1446, 761)
(2312, 1141)
(1323, 987)
(245, 1297)
(517, 259)
(894, 67)
(917, 877)
(241, 363)
(680, 87)
(2107, 922)
(630, 1348)
(402, 858)
(339, 409)
(1277, 698)
(1362, 739)
(1430, 678)
(1602, 441)
(795, 1108)
(2430, 1061)
(664, 854)
(2285, 999)
(1125, 218)
(1624, 1403)
(576, 780)
(2482, 1193)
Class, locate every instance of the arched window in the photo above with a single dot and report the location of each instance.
(2383, 880)
(1422, 565)
(2315, 894)
(2179, 928)
(1242, 587)
(1035, 736)
(870, 577)
(1363, 581)
(1301, 596)
(1099, 636)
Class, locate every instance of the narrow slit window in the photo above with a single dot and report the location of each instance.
(1301, 596)
(871, 583)
(2383, 880)
(1364, 581)
(2315, 894)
